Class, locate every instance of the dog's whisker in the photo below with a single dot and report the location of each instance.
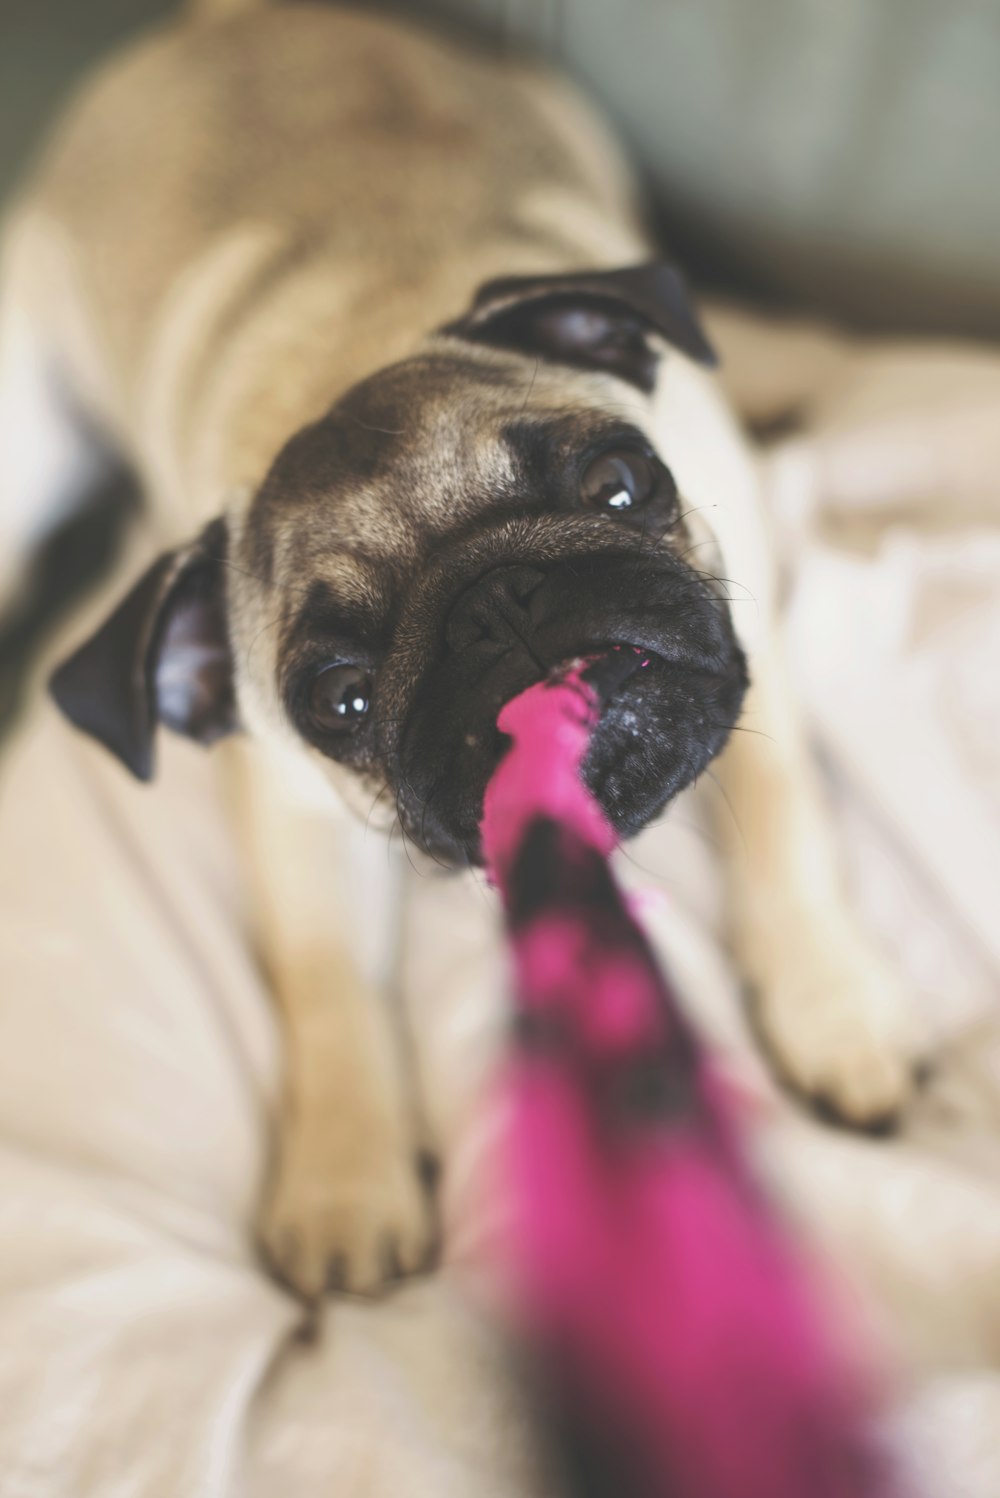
(696, 510)
(710, 774)
(224, 561)
(406, 849)
(428, 803)
(272, 624)
(531, 387)
(368, 427)
(716, 581)
(742, 728)
(378, 796)
(401, 819)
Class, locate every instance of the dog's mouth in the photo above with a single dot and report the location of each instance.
(660, 722)
(608, 671)
(663, 662)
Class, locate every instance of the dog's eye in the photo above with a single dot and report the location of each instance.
(339, 698)
(621, 479)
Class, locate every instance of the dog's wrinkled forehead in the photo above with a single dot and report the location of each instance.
(415, 453)
(467, 516)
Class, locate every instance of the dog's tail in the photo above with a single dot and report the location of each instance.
(221, 10)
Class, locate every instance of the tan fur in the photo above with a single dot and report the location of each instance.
(238, 221)
(266, 267)
(348, 1208)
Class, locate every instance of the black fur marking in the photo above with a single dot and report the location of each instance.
(162, 656)
(591, 320)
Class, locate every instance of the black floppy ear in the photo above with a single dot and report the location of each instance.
(163, 656)
(592, 319)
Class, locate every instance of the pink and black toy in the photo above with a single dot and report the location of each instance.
(681, 1351)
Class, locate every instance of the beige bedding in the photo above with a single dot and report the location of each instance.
(144, 1354)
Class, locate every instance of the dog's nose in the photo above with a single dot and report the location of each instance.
(495, 608)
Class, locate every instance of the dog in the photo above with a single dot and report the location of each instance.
(376, 321)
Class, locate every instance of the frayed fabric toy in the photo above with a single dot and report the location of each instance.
(676, 1335)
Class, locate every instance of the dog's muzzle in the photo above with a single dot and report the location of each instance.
(514, 624)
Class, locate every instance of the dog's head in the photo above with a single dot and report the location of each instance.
(457, 526)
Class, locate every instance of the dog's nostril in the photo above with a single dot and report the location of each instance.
(525, 583)
(493, 606)
(464, 629)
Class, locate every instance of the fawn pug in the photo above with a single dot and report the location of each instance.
(375, 319)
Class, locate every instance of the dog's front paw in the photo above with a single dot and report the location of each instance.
(353, 1228)
(839, 1025)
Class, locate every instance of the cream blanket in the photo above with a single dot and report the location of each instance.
(144, 1354)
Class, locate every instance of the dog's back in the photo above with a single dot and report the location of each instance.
(341, 161)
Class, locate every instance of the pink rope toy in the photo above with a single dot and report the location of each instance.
(679, 1346)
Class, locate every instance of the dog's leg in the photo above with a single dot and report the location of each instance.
(829, 1008)
(347, 1207)
(50, 460)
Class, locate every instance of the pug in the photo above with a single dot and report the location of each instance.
(375, 319)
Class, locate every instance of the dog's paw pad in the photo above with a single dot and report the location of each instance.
(353, 1237)
(842, 1034)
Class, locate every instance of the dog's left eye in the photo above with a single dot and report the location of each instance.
(621, 479)
(339, 698)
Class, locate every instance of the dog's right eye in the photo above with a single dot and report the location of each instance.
(621, 479)
(339, 698)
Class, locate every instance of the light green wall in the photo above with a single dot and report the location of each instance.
(842, 152)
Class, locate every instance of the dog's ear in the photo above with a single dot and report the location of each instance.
(163, 656)
(592, 319)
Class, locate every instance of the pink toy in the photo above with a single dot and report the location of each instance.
(680, 1350)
